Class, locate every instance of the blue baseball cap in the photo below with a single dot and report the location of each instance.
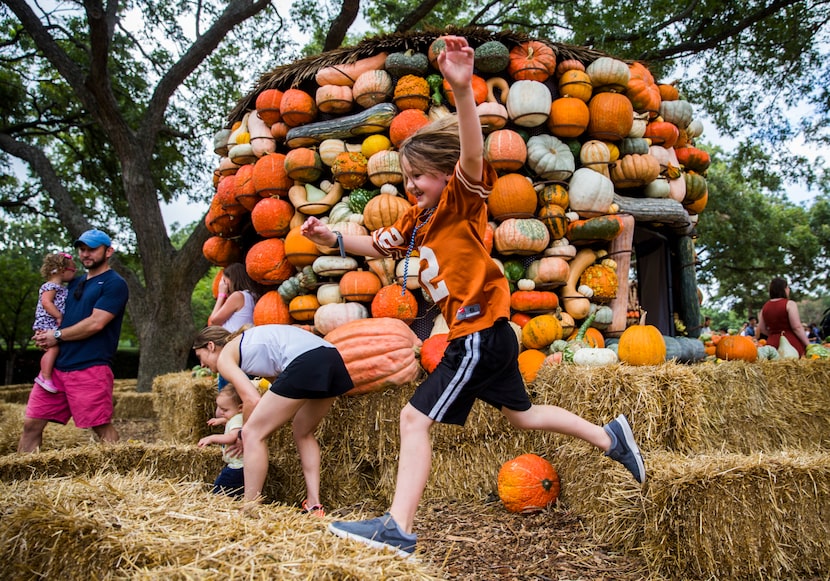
(93, 238)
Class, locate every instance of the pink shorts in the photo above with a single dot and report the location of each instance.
(84, 395)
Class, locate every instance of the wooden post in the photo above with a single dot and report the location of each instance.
(620, 251)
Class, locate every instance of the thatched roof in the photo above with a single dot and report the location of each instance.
(302, 71)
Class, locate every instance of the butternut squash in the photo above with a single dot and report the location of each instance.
(303, 196)
(347, 73)
(262, 142)
(575, 303)
(372, 120)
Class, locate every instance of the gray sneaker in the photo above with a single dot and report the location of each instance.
(379, 533)
(624, 449)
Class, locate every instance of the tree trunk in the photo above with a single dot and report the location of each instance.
(688, 304)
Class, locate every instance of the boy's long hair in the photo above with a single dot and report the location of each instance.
(434, 148)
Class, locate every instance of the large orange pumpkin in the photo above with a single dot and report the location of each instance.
(297, 107)
(642, 90)
(611, 117)
(642, 344)
(379, 353)
(528, 483)
(534, 301)
(269, 177)
(359, 285)
(530, 362)
(732, 347)
(268, 105)
(299, 250)
(505, 150)
(541, 331)
(405, 124)
(568, 117)
(243, 186)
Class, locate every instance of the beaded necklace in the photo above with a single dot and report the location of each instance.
(427, 215)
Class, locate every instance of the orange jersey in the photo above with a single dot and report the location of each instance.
(454, 267)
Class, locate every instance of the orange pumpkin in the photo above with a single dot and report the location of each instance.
(269, 176)
(390, 302)
(243, 186)
(592, 337)
(528, 483)
(692, 158)
(642, 344)
(271, 217)
(736, 347)
(383, 210)
(541, 331)
(303, 164)
(520, 319)
(302, 307)
(505, 150)
(299, 250)
(405, 124)
(554, 193)
(297, 107)
(350, 169)
(530, 362)
(221, 251)
(531, 61)
(266, 262)
(524, 236)
(433, 350)
(569, 117)
(359, 285)
(513, 196)
(480, 91)
(556, 220)
(534, 301)
(568, 65)
(668, 92)
(268, 105)
(642, 90)
(411, 92)
(271, 309)
(611, 117)
(662, 133)
(576, 84)
(378, 352)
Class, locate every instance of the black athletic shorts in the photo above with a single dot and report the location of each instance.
(316, 374)
(482, 365)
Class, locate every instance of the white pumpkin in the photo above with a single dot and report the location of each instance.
(595, 357)
(330, 316)
(590, 193)
(638, 128)
(659, 188)
(411, 267)
(677, 112)
(528, 103)
(549, 157)
(329, 293)
(333, 265)
(694, 129)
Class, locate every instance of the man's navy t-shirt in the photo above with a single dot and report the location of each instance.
(108, 292)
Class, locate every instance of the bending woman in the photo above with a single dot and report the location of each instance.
(308, 374)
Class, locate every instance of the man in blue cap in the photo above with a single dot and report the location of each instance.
(88, 339)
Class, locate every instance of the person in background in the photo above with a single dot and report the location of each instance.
(446, 173)
(235, 299)
(813, 333)
(749, 327)
(58, 269)
(88, 339)
(707, 325)
(309, 374)
(779, 316)
(231, 479)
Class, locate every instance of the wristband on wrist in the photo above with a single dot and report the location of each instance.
(222, 296)
(339, 244)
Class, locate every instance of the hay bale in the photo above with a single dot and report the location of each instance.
(15, 394)
(131, 405)
(55, 436)
(183, 404)
(138, 526)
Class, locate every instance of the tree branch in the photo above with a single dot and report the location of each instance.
(416, 15)
(340, 25)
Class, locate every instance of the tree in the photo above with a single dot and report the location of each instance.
(109, 106)
(748, 65)
(750, 233)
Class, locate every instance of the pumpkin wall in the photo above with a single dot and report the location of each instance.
(587, 147)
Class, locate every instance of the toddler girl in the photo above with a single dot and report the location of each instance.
(57, 269)
(228, 413)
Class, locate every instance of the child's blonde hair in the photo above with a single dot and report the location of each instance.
(434, 148)
(54, 264)
(231, 392)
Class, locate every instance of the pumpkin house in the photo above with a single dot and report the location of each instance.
(599, 181)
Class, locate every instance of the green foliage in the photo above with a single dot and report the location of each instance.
(203, 300)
